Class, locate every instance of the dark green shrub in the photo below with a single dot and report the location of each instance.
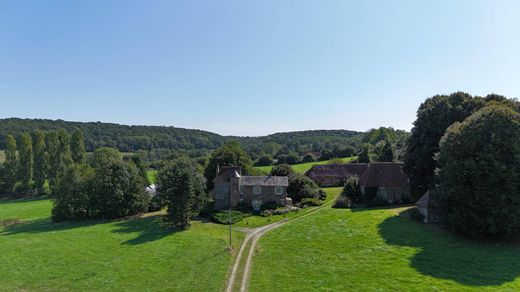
(282, 170)
(352, 189)
(308, 158)
(308, 202)
(342, 202)
(225, 217)
(301, 187)
(264, 161)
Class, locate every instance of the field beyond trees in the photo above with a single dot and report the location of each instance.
(303, 167)
(130, 254)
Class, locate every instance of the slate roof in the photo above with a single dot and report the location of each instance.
(282, 181)
(337, 170)
(384, 174)
(225, 172)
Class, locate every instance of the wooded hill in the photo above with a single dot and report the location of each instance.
(133, 138)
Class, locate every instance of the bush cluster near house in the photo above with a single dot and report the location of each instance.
(301, 189)
(110, 188)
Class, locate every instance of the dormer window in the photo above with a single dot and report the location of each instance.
(257, 190)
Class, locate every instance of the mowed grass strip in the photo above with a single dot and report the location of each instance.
(303, 167)
(121, 255)
(377, 249)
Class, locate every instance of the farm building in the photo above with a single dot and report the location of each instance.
(231, 189)
(428, 208)
(329, 175)
(386, 179)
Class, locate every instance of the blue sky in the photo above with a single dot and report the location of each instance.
(252, 67)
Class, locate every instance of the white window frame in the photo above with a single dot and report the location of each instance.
(278, 190)
(257, 190)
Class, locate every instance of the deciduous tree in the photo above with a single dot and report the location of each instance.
(25, 162)
(10, 164)
(41, 161)
(479, 173)
(79, 155)
(229, 154)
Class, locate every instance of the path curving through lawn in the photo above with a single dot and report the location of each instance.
(253, 235)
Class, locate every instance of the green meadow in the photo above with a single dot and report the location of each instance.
(303, 167)
(378, 250)
(132, 254)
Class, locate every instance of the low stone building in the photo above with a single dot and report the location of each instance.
(428, 208)
(386, 179)
(231, 189)
(329, 175)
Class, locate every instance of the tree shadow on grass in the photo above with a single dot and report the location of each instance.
(447, 256)
(44, 225)
(148, 229)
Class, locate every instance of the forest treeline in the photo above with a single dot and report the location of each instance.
(195, 142)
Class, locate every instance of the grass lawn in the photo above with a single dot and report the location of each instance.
(152, 175)
(303, 167)
(377, 249)
(135, 254)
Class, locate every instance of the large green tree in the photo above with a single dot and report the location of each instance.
(10, 164)
(387, 153)
(230, 154)
(41, 161)
(118, 187)
(54, 157)
(434, 116)
(183, 188)
(79, 155)
(365, 154)
(479, 171)
(25, 162)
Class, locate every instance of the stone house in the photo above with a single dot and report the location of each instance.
(232, 189)
(387, 179)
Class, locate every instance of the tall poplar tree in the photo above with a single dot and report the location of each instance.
(41, 161)
(10, 163)
(54, 158)
(26, 162)
(79, 155)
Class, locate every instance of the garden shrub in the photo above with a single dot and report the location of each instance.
(308, 202)
(352, 189)
(342, 202)
(223, 216)
(301, 187)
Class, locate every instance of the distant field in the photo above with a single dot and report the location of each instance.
(152, 175)
(121, 255)
(303, 167)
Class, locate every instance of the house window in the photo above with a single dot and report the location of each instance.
(241, 189)
(257, 190)
(278, 190)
